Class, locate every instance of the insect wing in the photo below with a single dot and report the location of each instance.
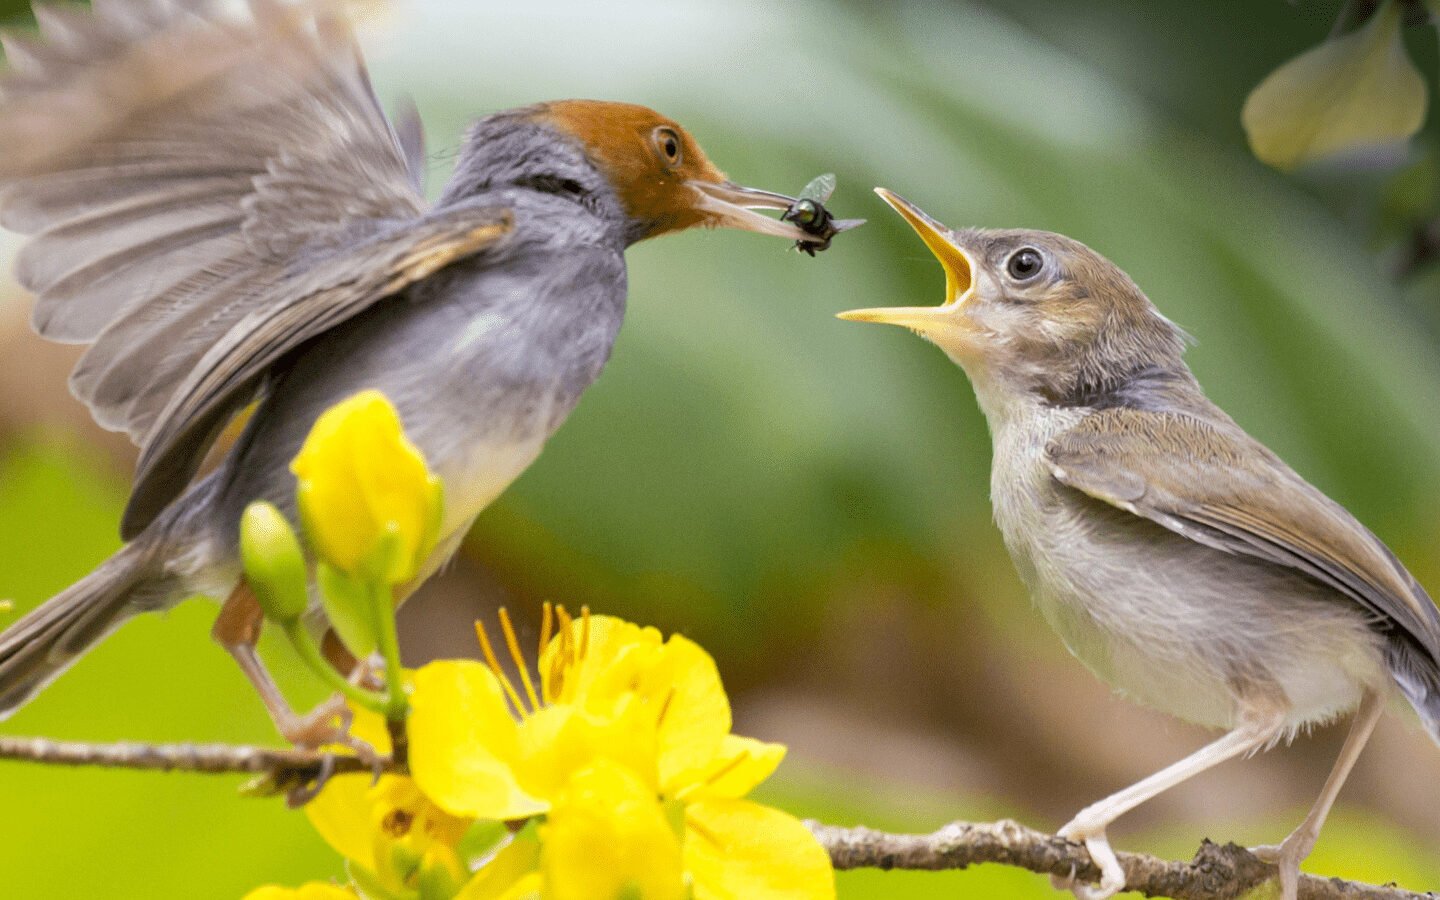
(820, 188)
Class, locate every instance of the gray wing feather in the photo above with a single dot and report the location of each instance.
(1214, 484)
(172, 160)
(319, 296)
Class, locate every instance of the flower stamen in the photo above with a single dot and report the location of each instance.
(493, 662)
(547, 614)
(513, 644)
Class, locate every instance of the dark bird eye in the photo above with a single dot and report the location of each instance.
(668, 143)
(1025, 264)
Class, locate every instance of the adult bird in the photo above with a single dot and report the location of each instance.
(220, 209)
(1177, 556)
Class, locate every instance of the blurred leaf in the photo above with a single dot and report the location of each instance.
(1350, 94)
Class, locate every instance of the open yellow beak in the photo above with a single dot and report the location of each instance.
(957, 265)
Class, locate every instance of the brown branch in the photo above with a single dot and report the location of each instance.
(298, 774)
(1216, 873)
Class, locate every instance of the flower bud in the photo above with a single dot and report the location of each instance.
(363, 483)
(274, 563)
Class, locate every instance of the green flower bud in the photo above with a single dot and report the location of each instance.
(274, 564)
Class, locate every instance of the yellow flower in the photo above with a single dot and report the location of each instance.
(618, 696)
(314, 890)
(1350, 94)
(393, 836)
(369, 503)
(607, 838)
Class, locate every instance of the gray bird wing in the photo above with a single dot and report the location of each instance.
(320, 295)
(208, 183)
(173, 159)
(1215, 485)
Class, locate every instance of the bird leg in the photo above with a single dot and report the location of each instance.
(1259, 725)
(237, 629)
(1292, 851)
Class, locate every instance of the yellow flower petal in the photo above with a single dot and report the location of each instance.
(361, 477)
(315, 890)
(624, 664)
(1348, 94)
(369, 726)
(607, 838)
(382, 826)
(737, 849)
(512, 874)
(463, 743)
(695, 713)
(558, 741)
(740, 765)
(592, 647)
(341, 814)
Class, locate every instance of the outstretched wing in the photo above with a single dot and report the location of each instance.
(172, 158)
(208, 183)
(1214, 484)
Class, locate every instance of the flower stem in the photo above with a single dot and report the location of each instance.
(383, 605)
(304, 645)
(397, 704)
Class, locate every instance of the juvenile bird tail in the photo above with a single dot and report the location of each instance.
(1418, 675)
(36, 649)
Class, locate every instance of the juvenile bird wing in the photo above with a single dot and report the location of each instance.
(180, 164)
(1214, 484)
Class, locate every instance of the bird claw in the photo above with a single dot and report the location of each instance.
(328, 726)
(1286, 857)
(303, 793)
(1267, 853)
(324, 729)
(1112, 877)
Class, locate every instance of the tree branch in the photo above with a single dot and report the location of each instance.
(1216, 873)
(297, 773)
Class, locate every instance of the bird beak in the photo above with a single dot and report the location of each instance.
(959, 274)
(728, 205)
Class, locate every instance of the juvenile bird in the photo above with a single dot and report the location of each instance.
(1177, 557)
(222, 211)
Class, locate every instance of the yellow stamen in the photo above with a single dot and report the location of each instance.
(547, 614)
(584, 632)
(524, 670)
(563, 659)
(494, 663)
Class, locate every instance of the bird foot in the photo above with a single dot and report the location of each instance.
(1112, 877)
(327, 726)
(1286, 857)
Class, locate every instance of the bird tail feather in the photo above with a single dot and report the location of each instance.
(1418, 675)
(44, 643)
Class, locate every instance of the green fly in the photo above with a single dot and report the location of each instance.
(808, 212)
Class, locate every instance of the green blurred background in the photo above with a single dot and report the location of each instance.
(805, 497)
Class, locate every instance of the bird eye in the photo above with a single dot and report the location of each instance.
(1025, 264)
(668, 143)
